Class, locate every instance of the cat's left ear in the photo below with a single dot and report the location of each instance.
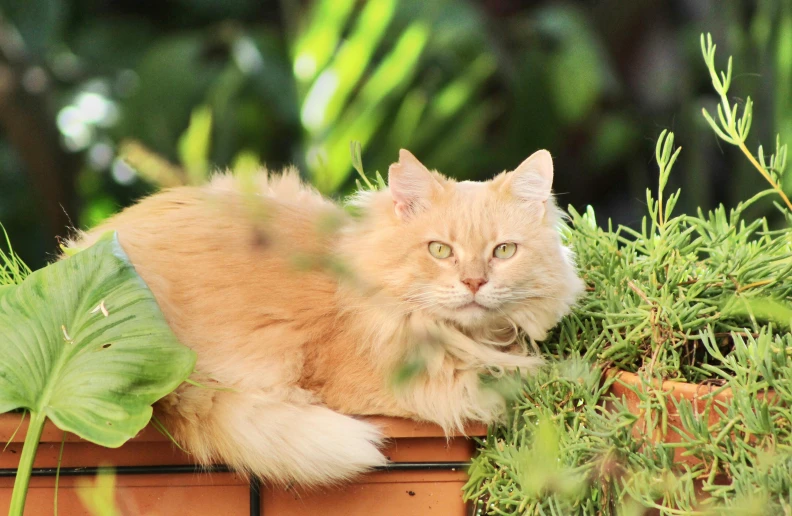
(532, 181)
(411, 185)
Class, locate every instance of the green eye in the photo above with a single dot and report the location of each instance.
(504, 251)
(439, 250)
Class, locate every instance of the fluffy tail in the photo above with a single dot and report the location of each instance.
(272, 439)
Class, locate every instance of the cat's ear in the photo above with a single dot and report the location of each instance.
(532, 180)
(411, 185)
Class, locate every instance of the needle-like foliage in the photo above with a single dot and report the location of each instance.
(702, 298)
(12, 269)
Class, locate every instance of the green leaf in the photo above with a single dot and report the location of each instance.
(578, 70)
(317, 43)
(456, 97)
(85, 344)
(328, 95)
(39, 23)
(367, 112)
(194, 145)
(12, 269)
(246, 163)
(357, 163)
(763, 309)
(99, 496)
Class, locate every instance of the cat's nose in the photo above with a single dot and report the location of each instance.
(474, 284)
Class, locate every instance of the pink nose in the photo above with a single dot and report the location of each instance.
(474, 284)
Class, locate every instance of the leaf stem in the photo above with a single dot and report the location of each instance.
(57, 474)
(25, 468)
(764, 173)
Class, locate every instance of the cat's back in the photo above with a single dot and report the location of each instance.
(265, 210)
(234, 257)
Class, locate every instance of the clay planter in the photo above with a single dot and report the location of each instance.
(426, 477)
(626, 382)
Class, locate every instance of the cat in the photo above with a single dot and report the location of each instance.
(303, 314)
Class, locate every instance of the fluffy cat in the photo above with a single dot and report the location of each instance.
(301, 312)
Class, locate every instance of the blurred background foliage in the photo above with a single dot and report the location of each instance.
(182, 87)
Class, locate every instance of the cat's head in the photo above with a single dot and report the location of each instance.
(472, 253)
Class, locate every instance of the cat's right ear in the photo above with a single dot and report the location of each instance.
(532, 182)
(411, 185)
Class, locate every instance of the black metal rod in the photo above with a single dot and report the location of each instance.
(424, 466)
(121, 470)
(255, 497)
(218, 468)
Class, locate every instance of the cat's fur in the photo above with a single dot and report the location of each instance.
(302, 313)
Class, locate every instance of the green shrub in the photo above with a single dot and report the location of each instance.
(696, 298)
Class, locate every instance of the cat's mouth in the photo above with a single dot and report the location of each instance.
(472, 306)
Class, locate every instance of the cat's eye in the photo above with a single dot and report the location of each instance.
(505, 250)
(439, 250)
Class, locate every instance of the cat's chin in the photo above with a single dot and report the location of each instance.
(469, 315)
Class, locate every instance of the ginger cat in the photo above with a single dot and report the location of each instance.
(302, 313)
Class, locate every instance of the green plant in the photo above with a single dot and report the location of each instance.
(194, 149)
(98, 496)
(357, 83)
(12, 269)
(558, 453)
(354, 81)
(86, 347)
(734, 129)
(695, 298)
(592, 462)
(655, 293)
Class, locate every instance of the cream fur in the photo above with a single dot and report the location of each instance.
(305, 312)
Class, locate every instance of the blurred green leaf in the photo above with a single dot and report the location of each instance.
(97, 210)
(406, 122)
(369, 108)
(40, 23)
(577, 70)
(194, 145)
(98, 495)
(317, 42)
(762, 309)
(783, 78)
(455, 97)
(112, 45)
(246, 163)
(616, 134)
(173, 77)
(329, 93)
(467, 133)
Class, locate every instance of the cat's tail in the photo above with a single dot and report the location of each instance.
(264, 436)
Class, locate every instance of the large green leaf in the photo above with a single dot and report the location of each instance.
(84, 343)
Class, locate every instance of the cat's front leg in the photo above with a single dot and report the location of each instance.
(451, 398)
(474, 355)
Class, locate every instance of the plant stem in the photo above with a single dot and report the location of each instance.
(660, 222)
(25, 467)
(764, 173)
(57, 474)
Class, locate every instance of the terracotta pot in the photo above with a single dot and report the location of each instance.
(427, 475)
(624, 387)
